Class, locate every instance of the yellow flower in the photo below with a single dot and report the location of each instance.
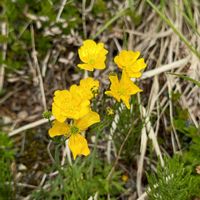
(124, 178)
(77, 143)
(69, 104)
(123, 89)
(109, 111)
(90, 87)
(92, 55)
(128, 60)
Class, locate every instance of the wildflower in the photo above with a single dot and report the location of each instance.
(69, 104)
(128, 60)
(124, 178)
(109, 111)
(123, 89)
(93, 55)
(77, 143)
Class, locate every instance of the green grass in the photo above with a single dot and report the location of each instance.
(6, 158)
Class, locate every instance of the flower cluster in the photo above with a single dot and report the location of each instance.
(71, 108)
(74, 105)
(131, 68)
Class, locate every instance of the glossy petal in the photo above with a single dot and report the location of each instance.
(114, 88)
(78, 145)
(92, 55)
(60, 104)
(58, 129)
(88, 120)
(70, 104)
(114, 82)
(128, 61)
(58, 113)
(128, 86)
(123, 89)
(126, 58)
(86, 67)
(80, 105)
(126, 100)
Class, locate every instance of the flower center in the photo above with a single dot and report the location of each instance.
(74, 129)
(121, 91)
(92, 61)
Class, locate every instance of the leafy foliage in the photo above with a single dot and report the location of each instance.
(19, 15)
(6, 157)
(77, 183)
(189, 134)
(128, 120)
(173, 181)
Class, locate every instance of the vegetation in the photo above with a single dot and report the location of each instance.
(150, 151)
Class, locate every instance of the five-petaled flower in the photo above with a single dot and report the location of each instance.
(129, 62)
(92, 55)
(122, 89)
(77, 143)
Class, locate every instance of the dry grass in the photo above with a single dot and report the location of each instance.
(29, 90)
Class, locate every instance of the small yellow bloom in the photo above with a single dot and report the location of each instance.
(93, 55)
(123, 89)
(128, 60)
(124, 178)
(90, 87)
(77, 143)
(109, 111)
(69, 104)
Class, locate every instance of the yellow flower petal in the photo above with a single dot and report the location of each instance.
(70, 104)
(114, 88)
(85, 50)
(99, 64)
(127, 60)
(88, 120)
(134, 70)
(93, 55)
(128, 86)
(58, 129)
(80, 105)
(126, 99)
(58, 113)
(59, 104)
(78, 145)
(114, 82)
(86, 67)
(138, 65)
